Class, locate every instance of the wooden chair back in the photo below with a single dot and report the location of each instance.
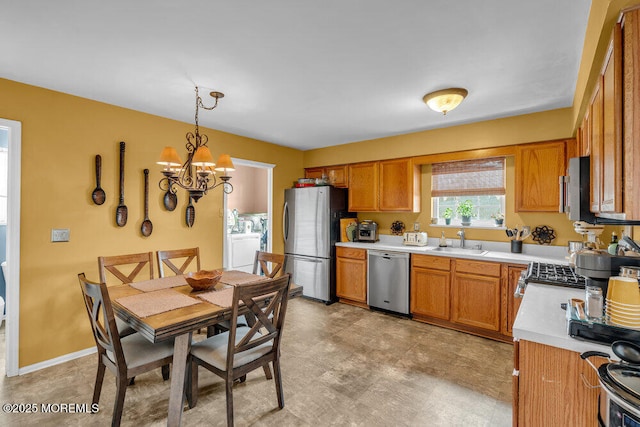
(266, 323)
(183, 256)
(103, 322)
(125, 268)
(272, 265)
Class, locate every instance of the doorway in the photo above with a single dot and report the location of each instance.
(13, 131)
(247, 214)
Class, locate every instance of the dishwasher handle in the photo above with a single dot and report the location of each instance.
(388, 255)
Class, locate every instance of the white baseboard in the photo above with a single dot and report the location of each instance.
(56, 361)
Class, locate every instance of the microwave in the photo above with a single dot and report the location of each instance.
(575, 195)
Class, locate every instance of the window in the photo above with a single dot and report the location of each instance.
(481, 181)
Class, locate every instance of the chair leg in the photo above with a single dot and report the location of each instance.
(192, 385)
(119, 404)
(99, 378)
(267, 371)
(278, 381)
(165, 372)
(229, 388)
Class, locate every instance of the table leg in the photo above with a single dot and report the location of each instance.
(178, 378)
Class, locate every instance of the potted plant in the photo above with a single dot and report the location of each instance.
(448, 213)
(465, 210)
(498, 217)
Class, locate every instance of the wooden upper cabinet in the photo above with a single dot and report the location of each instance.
(538, 168)
(314, 173)
(337, 175)
(611, 161)
(363, 187)
(595, 144)
(388, 185)
(399, 186)
(631, 111)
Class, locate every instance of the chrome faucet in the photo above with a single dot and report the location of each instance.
(461, 234)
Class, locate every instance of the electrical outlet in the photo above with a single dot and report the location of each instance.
(59, 234)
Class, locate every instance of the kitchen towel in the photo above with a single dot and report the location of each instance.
(150, 303)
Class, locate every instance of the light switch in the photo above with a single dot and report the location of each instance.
(59, 234)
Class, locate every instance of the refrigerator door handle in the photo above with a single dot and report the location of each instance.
(307, 259)
(285, 221)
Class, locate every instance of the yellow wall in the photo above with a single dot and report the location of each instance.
(61, 134)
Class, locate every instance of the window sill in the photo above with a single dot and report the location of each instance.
(479, 227)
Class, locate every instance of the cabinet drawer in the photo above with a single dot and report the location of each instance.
(352, 253)
(434, 262)
(478, 267)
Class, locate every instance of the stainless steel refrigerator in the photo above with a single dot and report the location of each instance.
(311, 227)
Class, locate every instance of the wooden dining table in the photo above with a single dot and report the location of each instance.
(177, 323)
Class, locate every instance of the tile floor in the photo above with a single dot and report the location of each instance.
(341, 366)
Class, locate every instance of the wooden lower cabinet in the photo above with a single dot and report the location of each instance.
(476, 301)
(511, 275)
(466, 295)
(430, 286)
(549, 389)
(351, 276)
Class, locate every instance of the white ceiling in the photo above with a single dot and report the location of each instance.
(301, 73)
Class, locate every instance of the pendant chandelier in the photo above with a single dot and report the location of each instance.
(197, 174)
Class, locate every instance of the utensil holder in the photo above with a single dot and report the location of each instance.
(516, 246)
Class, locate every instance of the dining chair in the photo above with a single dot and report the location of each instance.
(124, 357)
(185, 256)
(242, 349)
(126, 269)
(270, 264)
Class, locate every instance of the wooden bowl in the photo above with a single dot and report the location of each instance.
(203, 280)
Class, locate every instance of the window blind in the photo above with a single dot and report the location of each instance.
(468, 177)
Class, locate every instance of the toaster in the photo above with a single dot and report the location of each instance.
(417, 238)
(367, 231)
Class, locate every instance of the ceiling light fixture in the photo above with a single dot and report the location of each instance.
(197, 174)
(445, 100)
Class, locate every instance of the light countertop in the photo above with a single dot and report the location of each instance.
(540, 319)
(496, 251)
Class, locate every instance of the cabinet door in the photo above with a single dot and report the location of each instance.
(363, 187)
(596, 146)
(551, 391)
(476, 301)
(538, 168)
(513, 304)
(631, 108)
(314, 173)
(338, 176)
(585, 142)
(399, 186)
(430, 290)
(351, 279)
(611, 197)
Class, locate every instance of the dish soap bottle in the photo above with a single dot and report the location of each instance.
(443, 241)
(613, 246)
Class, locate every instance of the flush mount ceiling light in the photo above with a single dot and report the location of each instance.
(197, 174)
(445, 100)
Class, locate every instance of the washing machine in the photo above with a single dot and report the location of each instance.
(241, 251)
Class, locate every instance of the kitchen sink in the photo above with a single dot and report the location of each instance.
(460, 251)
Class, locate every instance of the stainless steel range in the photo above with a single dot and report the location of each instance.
(549, 274)
(554, 274)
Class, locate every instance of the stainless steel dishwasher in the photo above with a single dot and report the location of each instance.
(388, 280)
